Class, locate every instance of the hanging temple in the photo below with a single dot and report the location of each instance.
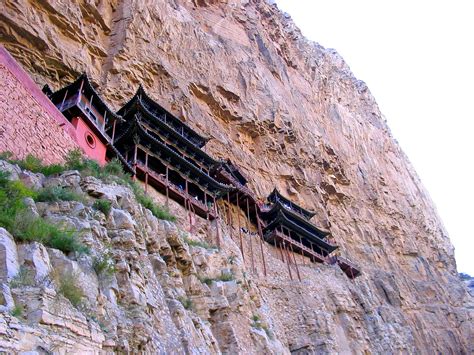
(163, 152)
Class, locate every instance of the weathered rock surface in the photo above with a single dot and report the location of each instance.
(291, 114)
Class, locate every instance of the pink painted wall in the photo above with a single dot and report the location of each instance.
(88, 141)
(29, 122)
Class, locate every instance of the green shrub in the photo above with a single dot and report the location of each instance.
(6, 155)
(57, 193)
(22, 279)
(66, 241)
(147, 202)
(226, 276)
(68, 286)
(186, 302)
(207, 280)
(74, 160)
(198, 243)
(30, 228)
(17, 311)
(12, 194)
(114, 167)
(35, 165)
(103, 205)
(103, 264)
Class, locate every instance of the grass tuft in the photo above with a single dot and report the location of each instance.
(198, 243)
(17, 311)
(68, 286)
(103, 205)
(57, 193)
(22, 279)
(186, 302)
(103, 264)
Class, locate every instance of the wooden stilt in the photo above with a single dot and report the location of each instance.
(250, 236)
(302, 252)
(281, 251)
(146, 172)
(287, 260)
(113, 131)
(64, 99)
(240, 231)
(207, 207)
(260, 233)
(296, 264)
(135, 162)
(229, 215)
(217, 223)
(186, 198)
(167, 188)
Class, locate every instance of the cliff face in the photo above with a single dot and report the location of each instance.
(291, 115)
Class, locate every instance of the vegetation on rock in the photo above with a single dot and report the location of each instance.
(25, 226)
(103, 205)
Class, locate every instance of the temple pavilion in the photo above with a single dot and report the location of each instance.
(288, 226)
(93, 120)
(166, 153)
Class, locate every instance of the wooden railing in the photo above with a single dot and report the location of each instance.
(298, 245)
(175, 188)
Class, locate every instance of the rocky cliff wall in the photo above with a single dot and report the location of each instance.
(292, 115)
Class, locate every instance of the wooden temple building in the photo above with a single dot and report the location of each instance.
(166, 154)
(91, 117)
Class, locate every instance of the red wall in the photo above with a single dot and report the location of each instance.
(88, 141)
(29, 122)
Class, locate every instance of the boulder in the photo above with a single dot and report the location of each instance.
(9, 266)
(35, 256)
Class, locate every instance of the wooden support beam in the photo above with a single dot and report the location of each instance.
(217, 223)
(167, 188)
(281, 252)
(302, 252)
(229, 215)
(113, 131)
(64, 99)
(250, 236)
(186, 199)
(146, 173)
(296, 264)
(240, 231)
(287, 260)
(135, 162)
(260, 233)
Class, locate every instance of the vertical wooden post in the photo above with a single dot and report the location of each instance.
(167, 188)
(302, 251)
(287, 260)
(281, 231)
(280, 249)
(207, 207)
(64, 99)
(135, 162)
(105, 120)
(240, 231)
(296, 264)
(217, 222)
(229, 216)
(259, 228)
(146, 172)
(188, 201)
(113, 130)
(250, 236)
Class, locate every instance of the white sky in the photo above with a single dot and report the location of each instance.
(417, 57)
